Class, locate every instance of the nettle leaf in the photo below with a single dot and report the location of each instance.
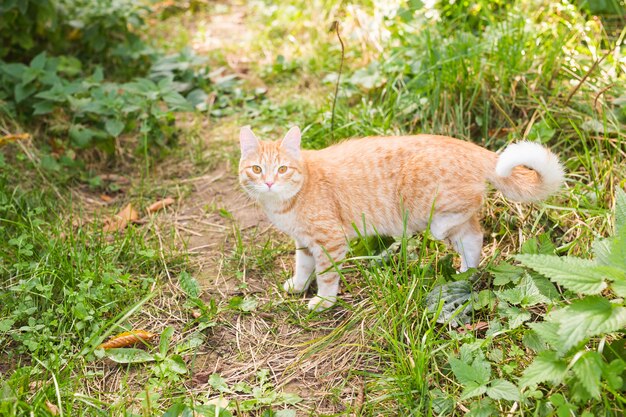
(545, 367)
(614, 374)
(547, 332)
(505, 273)
(575, 274)
(478, 372)
(525, 293)
(473, 389)
(500, 389)
(515, 315)
(588, 368)
(129, 355)
(114, 127)
(482, 408)
(587, 317)
(602, 251)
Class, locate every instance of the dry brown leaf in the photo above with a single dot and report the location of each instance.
(13, 137)
(106, 198)
(115, 178)
(126, 339)
(53, 409)
(160, 205)
(470, 327)
(121, 219)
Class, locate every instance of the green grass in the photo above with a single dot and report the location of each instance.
(488, 72)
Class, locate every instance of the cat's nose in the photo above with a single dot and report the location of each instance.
(269, 184)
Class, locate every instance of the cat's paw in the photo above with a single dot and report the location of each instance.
(318, 303)
(293, 286)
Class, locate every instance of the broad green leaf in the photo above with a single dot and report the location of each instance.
(43, 107)
(588, 368)
(525, 293)
(615, 354)
(39, 61)
(212, 410)
(478, 372)
(547, 332)
(587, 317)
(245, 304)
(21, 92)
(218, 383)
(501, 389)
(175, 410)
(175, 101)
(505, 273)
(164, 341)
(189, 285)
(284, 413)
(617, 257)
(129, 355)
(6, 324)
(454, 296)
(114, 127)
(290, 398)
(473, 389)
(176, 364)
(614, 374)
(575, 274)
(515, 315)
(545, 367)
(482, 408)
(602, 251)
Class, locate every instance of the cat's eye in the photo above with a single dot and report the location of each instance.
(282, 169)
(256, 169)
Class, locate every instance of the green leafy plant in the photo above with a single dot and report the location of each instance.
(578, 336)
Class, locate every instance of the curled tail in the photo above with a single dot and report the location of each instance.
(513, 178)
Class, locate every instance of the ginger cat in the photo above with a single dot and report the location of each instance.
(375, 183)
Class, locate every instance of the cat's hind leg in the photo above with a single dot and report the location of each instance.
(467, 240)
(305, 266)
(464, 232)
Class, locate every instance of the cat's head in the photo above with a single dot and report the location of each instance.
(271, 170)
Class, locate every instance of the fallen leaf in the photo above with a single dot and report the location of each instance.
(470, 327)
(106, 198)
(121, 219)
(115, 178)
(160, 205)
(196, 314)
(53, 409)
(126, 339)
(13, 137)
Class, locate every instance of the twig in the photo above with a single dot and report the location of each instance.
(335, 27)
(582, 80)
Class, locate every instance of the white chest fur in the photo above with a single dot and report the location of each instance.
(285, 222)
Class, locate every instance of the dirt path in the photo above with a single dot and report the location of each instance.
(237, 254)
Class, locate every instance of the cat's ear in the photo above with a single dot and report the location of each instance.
(291, 142)
(249, 143)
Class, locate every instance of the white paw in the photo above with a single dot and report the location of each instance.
(292, 286)
(318, 303)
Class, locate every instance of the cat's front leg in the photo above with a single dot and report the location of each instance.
(305, 266)
(326, 258)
